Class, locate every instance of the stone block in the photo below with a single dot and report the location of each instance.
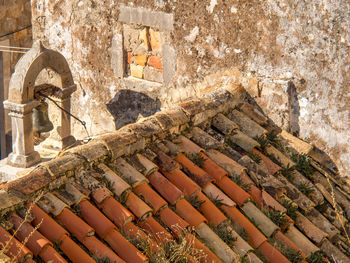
(155, 39)
(146, 17)
(117, 60)
(143, 36)
(153, 74)
(141, 60)
(155, 62)
(136, 71)
(169, 63)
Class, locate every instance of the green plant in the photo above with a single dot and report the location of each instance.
(56, 246)
(123, 197)
(108, 184)
(264, 142)
(238, 181)
(75, 209)
(197, 159)
(272, 138)
(101, 260)
(193, 200)
(287, 172)
(216, 200)
(225, 233)
(291, 209)
(278, 217)
(305, 188)
(291, 254)
(303, 164)
(316, 257)
(256, 158)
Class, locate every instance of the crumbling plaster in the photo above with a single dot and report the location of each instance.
(275, 43)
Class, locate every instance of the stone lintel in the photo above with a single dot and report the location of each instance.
(21, 108)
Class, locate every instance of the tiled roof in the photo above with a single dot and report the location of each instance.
(211, 180)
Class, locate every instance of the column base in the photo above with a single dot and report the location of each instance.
(23, 161)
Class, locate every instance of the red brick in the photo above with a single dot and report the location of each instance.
(129, 57)
(141, 60)
(155, 62)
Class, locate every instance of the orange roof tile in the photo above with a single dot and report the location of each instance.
(117, 192)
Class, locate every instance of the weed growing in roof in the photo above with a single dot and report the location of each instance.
(316, 257)
(291, 254)
(303, 164)
(273, 139)
(75, 209)
(238, 181)
(123, 198)
(177, 251)
(256, 158)
(278, 217)
(264, 142)
(291, 209)
(5, 247)
(216, 200)
(306, 189)
(197, 159)
(108, 184)
(225, 232)
(287, 172)
(101, 260)
(193, 200)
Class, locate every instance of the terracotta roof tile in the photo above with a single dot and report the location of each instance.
(246, 125)
(159, 233)
(173, 221)
(193, 171)
(255, 237)
(236, 193)
(100, 250)
(182, 182)
(214, 216)
(14, 250)
(189, 213)
(138, 207)
(253, 113)
(95, 218)
(214, 166)
(272, 254)
(73, 251)
(75, 224)
(169, 191)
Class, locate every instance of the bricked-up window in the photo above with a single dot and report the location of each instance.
(143, 47)
(140, 48)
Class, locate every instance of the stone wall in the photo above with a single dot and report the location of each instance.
(294, 55)
(15, 30)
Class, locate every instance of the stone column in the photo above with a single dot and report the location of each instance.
(61, 137)
(23, 154)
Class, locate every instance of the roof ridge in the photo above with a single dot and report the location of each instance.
(125, 141)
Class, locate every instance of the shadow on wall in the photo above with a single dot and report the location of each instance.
(127, 106)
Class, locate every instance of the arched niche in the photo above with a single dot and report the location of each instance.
(21, 102)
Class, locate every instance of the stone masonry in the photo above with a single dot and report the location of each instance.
(294, 55)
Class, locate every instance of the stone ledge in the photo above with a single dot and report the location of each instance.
(146, 17)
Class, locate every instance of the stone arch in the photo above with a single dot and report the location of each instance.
(21, 88)
(21, 103)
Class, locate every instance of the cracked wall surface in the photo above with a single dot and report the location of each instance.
(277, 44)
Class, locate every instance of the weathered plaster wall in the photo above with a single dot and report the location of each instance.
(15, 30)
(295, 55)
